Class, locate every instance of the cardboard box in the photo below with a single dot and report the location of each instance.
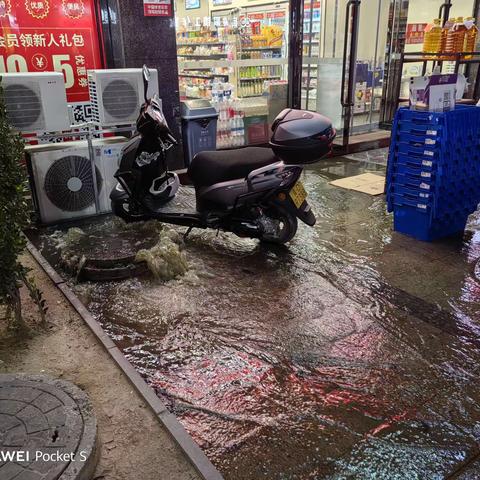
(437, 92)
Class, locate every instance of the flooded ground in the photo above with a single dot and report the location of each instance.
(352, 353)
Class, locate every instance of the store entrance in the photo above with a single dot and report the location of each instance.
(344, 44)
(234, 54)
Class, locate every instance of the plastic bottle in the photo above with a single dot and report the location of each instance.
(448, 25)
(432, 42)
(456, 37)
(241, 129)
(470, 36)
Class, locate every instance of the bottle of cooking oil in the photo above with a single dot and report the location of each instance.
(432, 42)
(470, 36)
(448, 25)
(456, 37)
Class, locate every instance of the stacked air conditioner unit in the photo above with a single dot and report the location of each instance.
(62, 178)
(36, 102)
(116, 95)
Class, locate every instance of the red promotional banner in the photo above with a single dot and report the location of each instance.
(51, 35)
(415, 33)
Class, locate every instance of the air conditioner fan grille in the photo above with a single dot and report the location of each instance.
(120, 99)
(22, 105)
(69, 183)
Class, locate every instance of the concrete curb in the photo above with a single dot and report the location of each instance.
(184, 441)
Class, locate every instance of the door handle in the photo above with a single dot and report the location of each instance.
(348, 18)
(442, 12)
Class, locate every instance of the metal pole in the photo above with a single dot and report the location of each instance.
(309, 56)
(91, 154)
(348, 102)
(295, 54)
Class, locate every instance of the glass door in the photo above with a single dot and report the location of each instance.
(344, 44)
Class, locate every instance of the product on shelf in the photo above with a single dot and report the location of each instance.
(230, 124)
(448, 25)
(470, 36)
(432, 42)
(259, 72)
(273, 35)
(251, 88)
(200, 34)
(456, 37)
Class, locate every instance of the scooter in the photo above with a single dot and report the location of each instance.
(249, 191)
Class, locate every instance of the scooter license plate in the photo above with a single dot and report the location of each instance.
(298, 194)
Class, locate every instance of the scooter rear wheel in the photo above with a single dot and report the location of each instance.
(123, 209)
(284, 226)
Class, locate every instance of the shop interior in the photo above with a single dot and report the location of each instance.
(237, 50)
(234, 54)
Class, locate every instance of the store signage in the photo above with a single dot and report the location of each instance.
(255, 16)
(275, 14)
(221, 2)
(415, 33)
(157, 8)
(51, 35)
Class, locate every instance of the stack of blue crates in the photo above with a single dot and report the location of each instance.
(433, 172)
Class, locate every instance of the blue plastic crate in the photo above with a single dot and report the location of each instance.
(433, 171)
(410, 221)
(416, 140)
(423, 151)
(416, 182)
(416, 163)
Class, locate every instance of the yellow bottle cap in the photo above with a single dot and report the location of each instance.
(459, 19)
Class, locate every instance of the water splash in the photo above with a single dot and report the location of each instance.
(165, 260)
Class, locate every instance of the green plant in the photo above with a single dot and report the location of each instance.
(14, 217)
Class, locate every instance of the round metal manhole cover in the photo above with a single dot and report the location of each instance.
(47, 430)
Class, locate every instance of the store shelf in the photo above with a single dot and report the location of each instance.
(212, 63)
(211, 56)
(272, 77)
(197, 44)
(206, 77)
(249, 49)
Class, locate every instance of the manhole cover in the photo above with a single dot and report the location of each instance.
(47, 430)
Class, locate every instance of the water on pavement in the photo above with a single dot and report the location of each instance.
(351, 353)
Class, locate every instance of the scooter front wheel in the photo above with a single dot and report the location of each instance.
(123, 209)
(279, 225)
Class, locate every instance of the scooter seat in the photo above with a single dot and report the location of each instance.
(208, 168)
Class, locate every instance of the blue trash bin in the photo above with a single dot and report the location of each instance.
(199, 128)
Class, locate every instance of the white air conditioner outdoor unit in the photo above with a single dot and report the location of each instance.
(36, 102)
(116, 95)
(62, 180)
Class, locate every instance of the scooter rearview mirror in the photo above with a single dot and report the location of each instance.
(146, 80)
